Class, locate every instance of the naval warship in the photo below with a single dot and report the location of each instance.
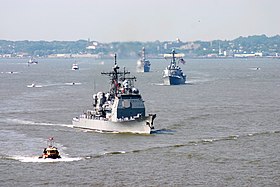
(173, 74)
(119, 110)
(143, 65)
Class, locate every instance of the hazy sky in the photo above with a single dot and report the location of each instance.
(137, 20)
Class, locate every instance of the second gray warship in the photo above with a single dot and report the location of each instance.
(119, 110)
(173, 74)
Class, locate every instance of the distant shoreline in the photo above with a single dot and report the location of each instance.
(263, 57)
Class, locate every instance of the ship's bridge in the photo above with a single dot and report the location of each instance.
(130, 105)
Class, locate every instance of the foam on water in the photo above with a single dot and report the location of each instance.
(158, 84)
(196, 81)
(11, 72)
(37, 159)
(255, 68)
(26, 122)
(57, 84)
(114, 152)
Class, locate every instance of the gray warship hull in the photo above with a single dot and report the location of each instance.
(142, 125)
(143, 66)
(143, 69)
(174, 80)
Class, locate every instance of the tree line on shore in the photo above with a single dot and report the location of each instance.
(268, 46)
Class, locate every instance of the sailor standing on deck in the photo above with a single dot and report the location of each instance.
(94, 100)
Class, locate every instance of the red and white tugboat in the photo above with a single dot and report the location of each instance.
(50, 151)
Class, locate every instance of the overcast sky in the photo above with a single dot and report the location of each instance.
(137, 20)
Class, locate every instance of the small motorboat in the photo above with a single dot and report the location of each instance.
(50, 151)
(75, 67)
(32, 61)
(31, 85)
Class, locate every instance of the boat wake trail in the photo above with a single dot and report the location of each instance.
(194, 81)
(54, 84)
(190, 143)
(26, 122)
(158, 84)
(163, 131)
(107, 153)
(73, 83)
(36, 159)
(213, 140)
(255, 68)
(114, 153)
(10, 72)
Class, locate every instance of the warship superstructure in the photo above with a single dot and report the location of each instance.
(119, 110)
(173, 74)
(143, 65)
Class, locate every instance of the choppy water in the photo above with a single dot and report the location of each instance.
(220, 129)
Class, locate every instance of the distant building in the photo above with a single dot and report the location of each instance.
(59, 56)
(92, 45)
(248, 55)
(212, 55)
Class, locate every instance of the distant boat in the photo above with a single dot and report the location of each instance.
(34, 86)
(143, 65)
(75, 67)
(32, 61)
(173, 74)
(31, 85)
(11, 72)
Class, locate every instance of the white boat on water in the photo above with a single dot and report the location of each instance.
(75, 67)
(119, 110)
(31, 85)
(32, 61)
(34, 86)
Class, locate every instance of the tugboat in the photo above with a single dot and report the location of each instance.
(50, 151)
(120, 110)
(173, 74)
(143, 65)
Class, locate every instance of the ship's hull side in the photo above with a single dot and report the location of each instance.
(143, 66)
(141, 69)
(140, 126)
(146, 68)
(172, 80)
